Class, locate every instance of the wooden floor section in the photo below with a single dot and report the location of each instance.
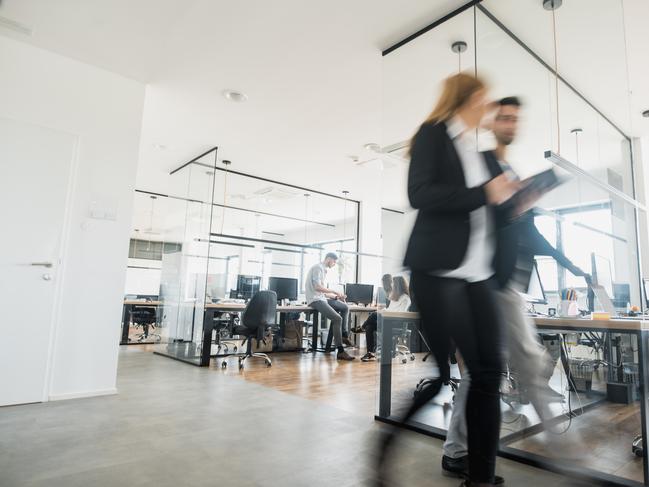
(600, 439)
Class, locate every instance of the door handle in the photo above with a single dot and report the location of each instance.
(42, 264)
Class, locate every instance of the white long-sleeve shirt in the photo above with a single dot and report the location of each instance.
(477, 264)
(401, 304)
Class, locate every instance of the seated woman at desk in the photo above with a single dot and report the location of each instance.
(399, 301)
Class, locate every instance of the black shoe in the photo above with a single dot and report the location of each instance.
(347, 342)
(457, 466)
(368, 357)
(342, 355)
(460, 468)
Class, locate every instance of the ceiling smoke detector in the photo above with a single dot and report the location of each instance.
(234, 95)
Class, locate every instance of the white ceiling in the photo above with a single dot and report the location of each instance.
(313, 72)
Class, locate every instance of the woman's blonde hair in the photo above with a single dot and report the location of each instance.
(399, 288)
(456, 92)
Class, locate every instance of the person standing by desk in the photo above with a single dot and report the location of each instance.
(328, 303)
(450, 254)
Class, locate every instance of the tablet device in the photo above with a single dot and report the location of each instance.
(538, 184)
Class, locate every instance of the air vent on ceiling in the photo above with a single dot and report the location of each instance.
(273, 193)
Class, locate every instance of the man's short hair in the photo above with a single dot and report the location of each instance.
(512, 101)
(332, 256)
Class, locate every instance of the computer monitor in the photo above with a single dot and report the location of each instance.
(247, 286)
(535, 293)
(359, 293)
(621, 295)
(285, 287)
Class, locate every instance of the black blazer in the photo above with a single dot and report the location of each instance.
(437, 188)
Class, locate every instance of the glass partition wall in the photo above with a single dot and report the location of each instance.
(592, 218)
(231, 230)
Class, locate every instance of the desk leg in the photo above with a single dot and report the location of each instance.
(385, 367)
(643, 375)
(208, 327)
(315, 317)
(126, 323)
(566, 367)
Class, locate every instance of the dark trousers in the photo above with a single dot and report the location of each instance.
(465, 313)
(370, 331)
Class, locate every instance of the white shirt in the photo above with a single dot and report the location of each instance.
(315, 277)
(401, 304)
(477, 264)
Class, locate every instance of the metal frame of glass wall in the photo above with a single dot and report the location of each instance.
(230, 223)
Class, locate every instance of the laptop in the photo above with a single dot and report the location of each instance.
(604, 299)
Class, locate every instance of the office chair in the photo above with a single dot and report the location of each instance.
(145, 318)
(223, 339)
(258, 317)
(401, 338)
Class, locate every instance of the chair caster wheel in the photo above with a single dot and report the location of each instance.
(404, 361)
(224, 365)
(240, 366)
(412, 357)
(235, 349)
(268, 363)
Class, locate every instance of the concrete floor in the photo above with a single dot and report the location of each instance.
(174, 424)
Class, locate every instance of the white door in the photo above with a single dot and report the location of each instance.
(35, 164)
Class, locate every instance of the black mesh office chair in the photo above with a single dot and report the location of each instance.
(146, 319)
(258, 317)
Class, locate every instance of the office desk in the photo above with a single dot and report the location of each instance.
(211, 309)
(636, 327)
(129, 306)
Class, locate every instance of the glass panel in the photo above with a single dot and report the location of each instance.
(184, 269)
(230, 235)
(591, 389)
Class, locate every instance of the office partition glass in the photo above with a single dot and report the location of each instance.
(184, 276)
(599, 372)
(235, 232)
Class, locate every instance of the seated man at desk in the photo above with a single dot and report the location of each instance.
(329, 303)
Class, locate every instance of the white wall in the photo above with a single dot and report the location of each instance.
(105, 111)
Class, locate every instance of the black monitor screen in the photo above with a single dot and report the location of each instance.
(621, 295)
(359, 293)
(286, 288)
(247, 286)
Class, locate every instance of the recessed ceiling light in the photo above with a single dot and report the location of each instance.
(159, 146)
(234, 95)
(373, 146)
(645, 114)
